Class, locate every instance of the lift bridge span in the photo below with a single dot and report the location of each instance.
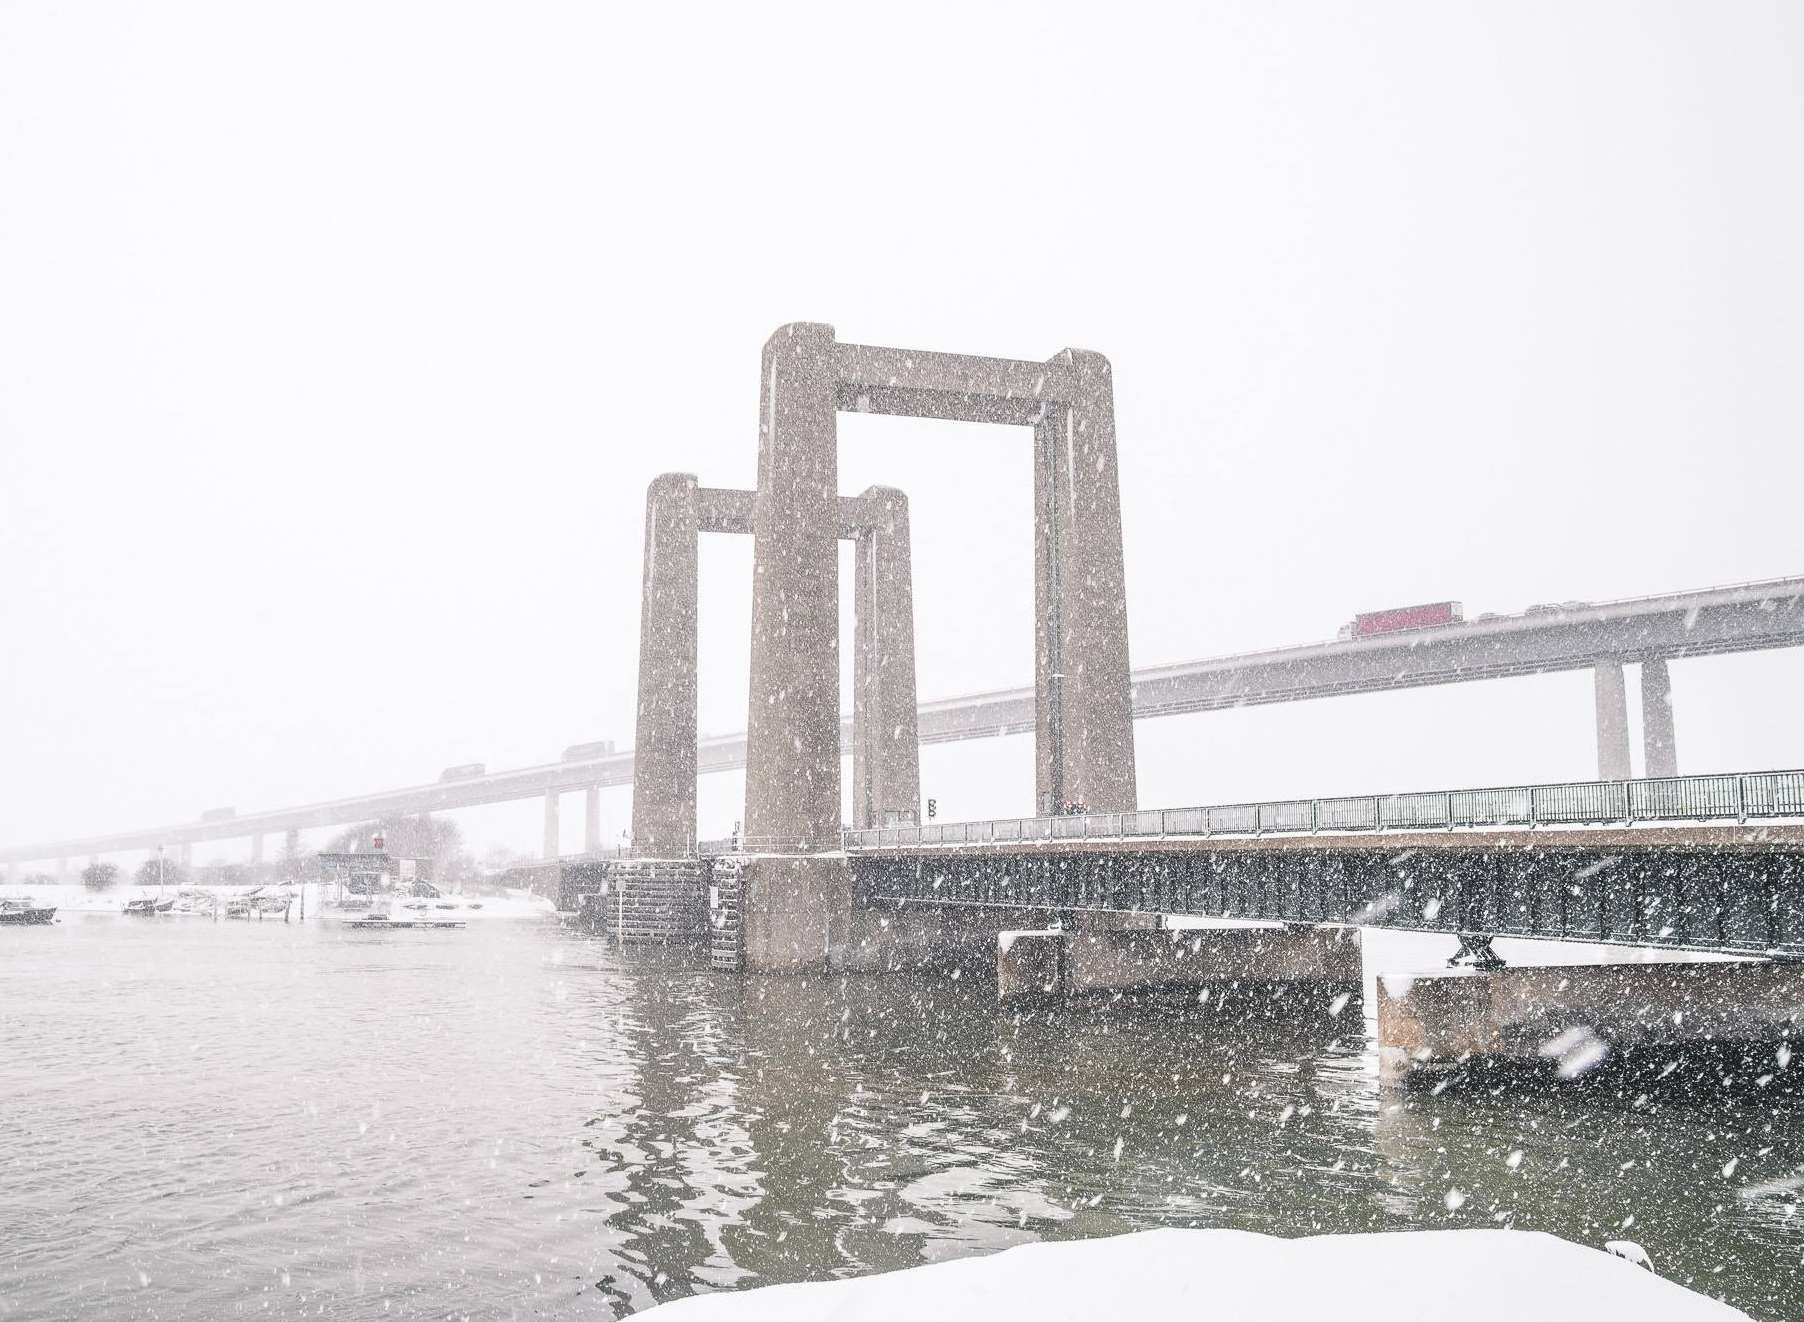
(1702, 863)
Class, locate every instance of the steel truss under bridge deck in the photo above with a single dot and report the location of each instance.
(1746, 899)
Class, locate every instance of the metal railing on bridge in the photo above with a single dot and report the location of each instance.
(1758, 796)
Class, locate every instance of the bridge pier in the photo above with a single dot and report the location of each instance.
(1570, 1019)
(553, 845)
(257, 848)
(1612, 720)
(796, 912)
(592, 820)
(1658, 746)
(1066, 962)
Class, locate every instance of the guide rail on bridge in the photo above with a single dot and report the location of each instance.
(1754, 796)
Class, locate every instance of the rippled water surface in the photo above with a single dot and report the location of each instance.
(259, 1119)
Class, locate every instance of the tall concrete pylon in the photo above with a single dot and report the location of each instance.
(1084, 734)
(1084, 719)
(885, 740)
(792, 720)
(665, 728)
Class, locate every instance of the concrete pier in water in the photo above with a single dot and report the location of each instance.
(1571, 1019)
(1071, 962)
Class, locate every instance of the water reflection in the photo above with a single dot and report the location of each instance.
(1703, 1173)
(297, 1120)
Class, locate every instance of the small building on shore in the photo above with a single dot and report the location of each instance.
(374, 872)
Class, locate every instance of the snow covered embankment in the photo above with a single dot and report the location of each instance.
(1236, 1276)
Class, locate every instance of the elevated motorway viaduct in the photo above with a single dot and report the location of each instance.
(1603, 637)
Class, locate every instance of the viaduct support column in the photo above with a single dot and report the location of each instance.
(592, 819)
(886, 757)
(792, 727)
(1659, 750)
(664, 741)
(257, 848)
(553, 845)
(1612, 720)
(1085, 725)
(185, 854)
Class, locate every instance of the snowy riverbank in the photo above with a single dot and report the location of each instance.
(1236, 1276)
(75, 898)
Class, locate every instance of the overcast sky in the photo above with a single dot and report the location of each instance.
(338, 343)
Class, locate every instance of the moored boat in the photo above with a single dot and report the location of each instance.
(22, 912)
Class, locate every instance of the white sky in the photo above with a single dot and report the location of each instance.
(339, 343)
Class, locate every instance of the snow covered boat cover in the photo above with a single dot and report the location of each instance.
(1237, 1276)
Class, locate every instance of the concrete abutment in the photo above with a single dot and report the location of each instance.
(1571, 1019)
(1073, 962)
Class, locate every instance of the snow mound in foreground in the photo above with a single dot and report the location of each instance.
(1236, 1276)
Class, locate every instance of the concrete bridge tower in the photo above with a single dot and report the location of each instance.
(1084, 736)
(884, 739)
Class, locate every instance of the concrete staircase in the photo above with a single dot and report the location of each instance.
(655, 902)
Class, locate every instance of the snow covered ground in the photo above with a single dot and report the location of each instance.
(76, 898)
(1236, 1276)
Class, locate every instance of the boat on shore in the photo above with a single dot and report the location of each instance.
(147, 907)
(195, 902)
(23, 912)
(259, 902)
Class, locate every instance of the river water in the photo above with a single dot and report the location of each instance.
(259, 1119)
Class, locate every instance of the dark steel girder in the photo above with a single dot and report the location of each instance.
(1740, 900)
